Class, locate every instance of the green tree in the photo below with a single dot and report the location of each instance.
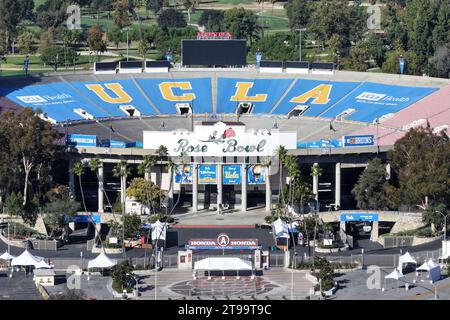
(440, 62)
(412, 63)
(116, 36)
(171, 18)
(11, 13)
(47, 39)
(122, 275)
(190, 6)
(155, 5)
(242, 23)
(55, 56)
(95, 40)
(146, 192)
(338, 18)
(441, 31)
(60, 210)
(14, 204)
(30, 143)
(132, 224)
(25, 42)
(369, 190)
(121, 13)
(51, 13)
(79, 169)
(421, 161)
(212, 20)
(299, 13)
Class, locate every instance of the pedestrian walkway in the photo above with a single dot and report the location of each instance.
(19, 287)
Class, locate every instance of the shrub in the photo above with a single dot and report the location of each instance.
(163, 218)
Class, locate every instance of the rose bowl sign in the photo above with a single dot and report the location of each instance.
(221, 139)
(223, 241)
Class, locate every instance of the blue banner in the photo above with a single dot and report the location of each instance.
(86, 219)
(349, 217)
(207, 174)
(358, 141)
(334, 143)
(256, 174)
(183, 174)
(232, 174)
(82, 140)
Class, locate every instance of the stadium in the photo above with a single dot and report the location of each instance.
(222, 124)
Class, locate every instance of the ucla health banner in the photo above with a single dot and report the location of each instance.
(373, 100)
(57, 100)
(256, 174)
(232, 174)
(207, 174)
(183, 174)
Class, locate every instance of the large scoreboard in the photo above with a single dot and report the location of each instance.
(214, 52)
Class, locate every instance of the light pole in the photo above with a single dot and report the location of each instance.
(445, 230)
(300, 42)
(127, 29)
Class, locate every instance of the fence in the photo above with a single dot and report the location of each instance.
(51, 245)
(395, 242)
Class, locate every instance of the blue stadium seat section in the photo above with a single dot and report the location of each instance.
(109, 96)
(57, 100)
(318, 95)
(262, 93)
(373, 100)
(165, 93)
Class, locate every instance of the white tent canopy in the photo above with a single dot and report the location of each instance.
(42, 265)
(102, 261)
(26, 259)
(395, 275)
(280, 229)
(159, 230)
(428, 265)
(405, 259)
(223, 263)
(6, 256)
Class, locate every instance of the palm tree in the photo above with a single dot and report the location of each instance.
(161, 152)
(145, 168)
(316, 172)
(78, 169)
(281, 154)
(122, 170)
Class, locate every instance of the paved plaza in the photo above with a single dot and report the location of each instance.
(353, 286)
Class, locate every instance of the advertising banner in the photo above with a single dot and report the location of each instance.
(207, 174)
(83, 140)
(358, 141)
(232, 174)
(349, 217)
(223, 241)
(183, 174)
(256, 174)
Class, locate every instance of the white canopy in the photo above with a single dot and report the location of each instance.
(42, 265)
(427, 266)
(280, 229)
(223, 263)
(159, 230)
(395, 275)
(102, 261)
(26, 259)
(6, 256)
(407, 258)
